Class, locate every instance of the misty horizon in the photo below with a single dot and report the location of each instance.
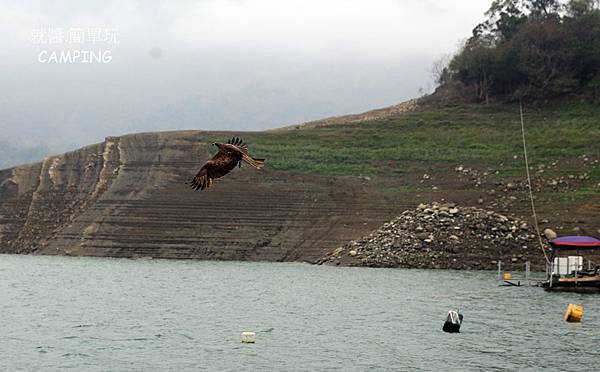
(212, 65)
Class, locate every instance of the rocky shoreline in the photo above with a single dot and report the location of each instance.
(444, 236)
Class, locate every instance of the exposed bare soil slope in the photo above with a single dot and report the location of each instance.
(127, 197)
(325, 184)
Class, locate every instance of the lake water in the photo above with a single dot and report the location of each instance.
(88, 314)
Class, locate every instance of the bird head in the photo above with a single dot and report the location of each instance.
(216, 144)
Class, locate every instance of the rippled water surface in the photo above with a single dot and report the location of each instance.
(90, 314)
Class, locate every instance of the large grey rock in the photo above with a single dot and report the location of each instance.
(550, 234)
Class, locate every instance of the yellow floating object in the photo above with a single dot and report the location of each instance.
(507, 276)
(574, 313)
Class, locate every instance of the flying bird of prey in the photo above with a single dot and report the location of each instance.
(230, 154)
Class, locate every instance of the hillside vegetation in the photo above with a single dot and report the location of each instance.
(482, 135)
(531, 49)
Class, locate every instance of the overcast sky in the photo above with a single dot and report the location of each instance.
(214, 64)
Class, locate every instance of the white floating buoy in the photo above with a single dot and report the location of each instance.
(453, 322)
(248, 337)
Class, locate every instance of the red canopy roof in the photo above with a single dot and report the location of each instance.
(576, 242)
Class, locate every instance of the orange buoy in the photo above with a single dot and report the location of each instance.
(574, 313)
(507, 275)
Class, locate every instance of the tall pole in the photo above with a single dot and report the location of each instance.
(500, 271)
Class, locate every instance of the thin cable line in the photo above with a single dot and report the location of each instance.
(537, 227)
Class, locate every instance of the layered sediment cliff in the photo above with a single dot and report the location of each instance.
(127, 197)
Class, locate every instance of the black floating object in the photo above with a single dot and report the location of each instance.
(453, 322)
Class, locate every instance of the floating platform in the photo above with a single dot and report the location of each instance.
(585, 284)
(566, 272)
(508, 280)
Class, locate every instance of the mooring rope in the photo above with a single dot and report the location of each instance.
(535, 220)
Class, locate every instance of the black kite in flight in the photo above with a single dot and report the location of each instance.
(230, 154)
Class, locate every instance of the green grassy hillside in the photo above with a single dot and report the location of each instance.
(397, 152)
(484, 135)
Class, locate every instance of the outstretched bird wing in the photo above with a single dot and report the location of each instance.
(229, 155)
(221, 164)
(243, 148)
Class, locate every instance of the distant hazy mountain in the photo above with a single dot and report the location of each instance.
(11, 153)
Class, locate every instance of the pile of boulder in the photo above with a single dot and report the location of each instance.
(444, 236)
